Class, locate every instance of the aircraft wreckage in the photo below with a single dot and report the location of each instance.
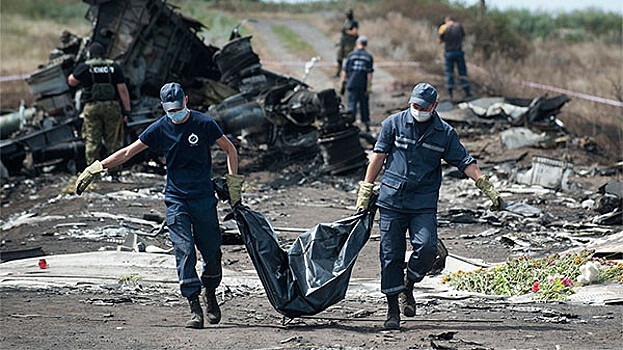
(155, 44)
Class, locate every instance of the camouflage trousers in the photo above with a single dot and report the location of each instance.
(102, 121)
(342, 53)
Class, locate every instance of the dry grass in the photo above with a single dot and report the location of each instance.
(592, 68)
(26, 44)
(391, 39)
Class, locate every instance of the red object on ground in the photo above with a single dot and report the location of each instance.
(43, 264)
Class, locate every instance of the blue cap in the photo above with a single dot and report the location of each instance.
(172, 96)
(424, 95)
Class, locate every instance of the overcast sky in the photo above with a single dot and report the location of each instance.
(554, 6)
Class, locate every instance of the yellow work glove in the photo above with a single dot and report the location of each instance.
(87, 176)
(442, 29)
(369, 87)
(234, 185)
(363, 196)
(487, 188)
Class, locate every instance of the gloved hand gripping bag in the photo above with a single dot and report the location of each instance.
(314, 273)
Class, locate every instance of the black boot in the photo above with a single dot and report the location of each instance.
(339, 69)
(406, 297)
(196, 318)
(450, 94)
(213, 311)
(393, 313)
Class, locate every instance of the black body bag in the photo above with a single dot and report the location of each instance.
(314, 273)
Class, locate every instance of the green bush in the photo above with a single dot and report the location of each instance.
(494, 34)
(574, 26)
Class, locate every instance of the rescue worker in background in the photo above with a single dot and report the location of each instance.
(451, 33)
(103, 85)
(348, 39)
(357, 79)
(411, 145)
(185, 136)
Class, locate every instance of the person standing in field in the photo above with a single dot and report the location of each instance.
(103, 85)
(357, 79)
(347, 40)
(452, 35)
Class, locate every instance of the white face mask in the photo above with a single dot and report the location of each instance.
(420, 116)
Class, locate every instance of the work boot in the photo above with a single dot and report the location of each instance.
(450, 94)
(366, 126)
(213, 311)
(393, 313)
(196, 313)
(407, 300)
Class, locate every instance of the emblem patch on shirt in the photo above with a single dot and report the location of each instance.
(193, 139)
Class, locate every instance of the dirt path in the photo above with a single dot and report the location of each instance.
(383, 97)
(279, 52)
(326, 48)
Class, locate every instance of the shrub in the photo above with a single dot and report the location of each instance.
(494, 34)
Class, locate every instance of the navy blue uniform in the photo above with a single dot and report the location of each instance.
(189, 196)
(409, 193)
(358, 64)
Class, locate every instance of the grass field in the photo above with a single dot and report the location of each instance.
(27, 35)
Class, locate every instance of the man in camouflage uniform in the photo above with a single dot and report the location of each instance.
(348, 40)
(103, 86)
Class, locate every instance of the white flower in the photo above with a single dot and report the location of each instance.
(583, 280)
(589, 273)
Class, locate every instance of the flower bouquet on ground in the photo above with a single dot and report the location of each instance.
(548, 278)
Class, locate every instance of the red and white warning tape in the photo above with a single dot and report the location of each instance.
(415, 64)
(472, 66)
(555, 89)
(14, 77)
(570, 93)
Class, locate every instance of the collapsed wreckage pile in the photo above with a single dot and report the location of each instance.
(155, 45)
